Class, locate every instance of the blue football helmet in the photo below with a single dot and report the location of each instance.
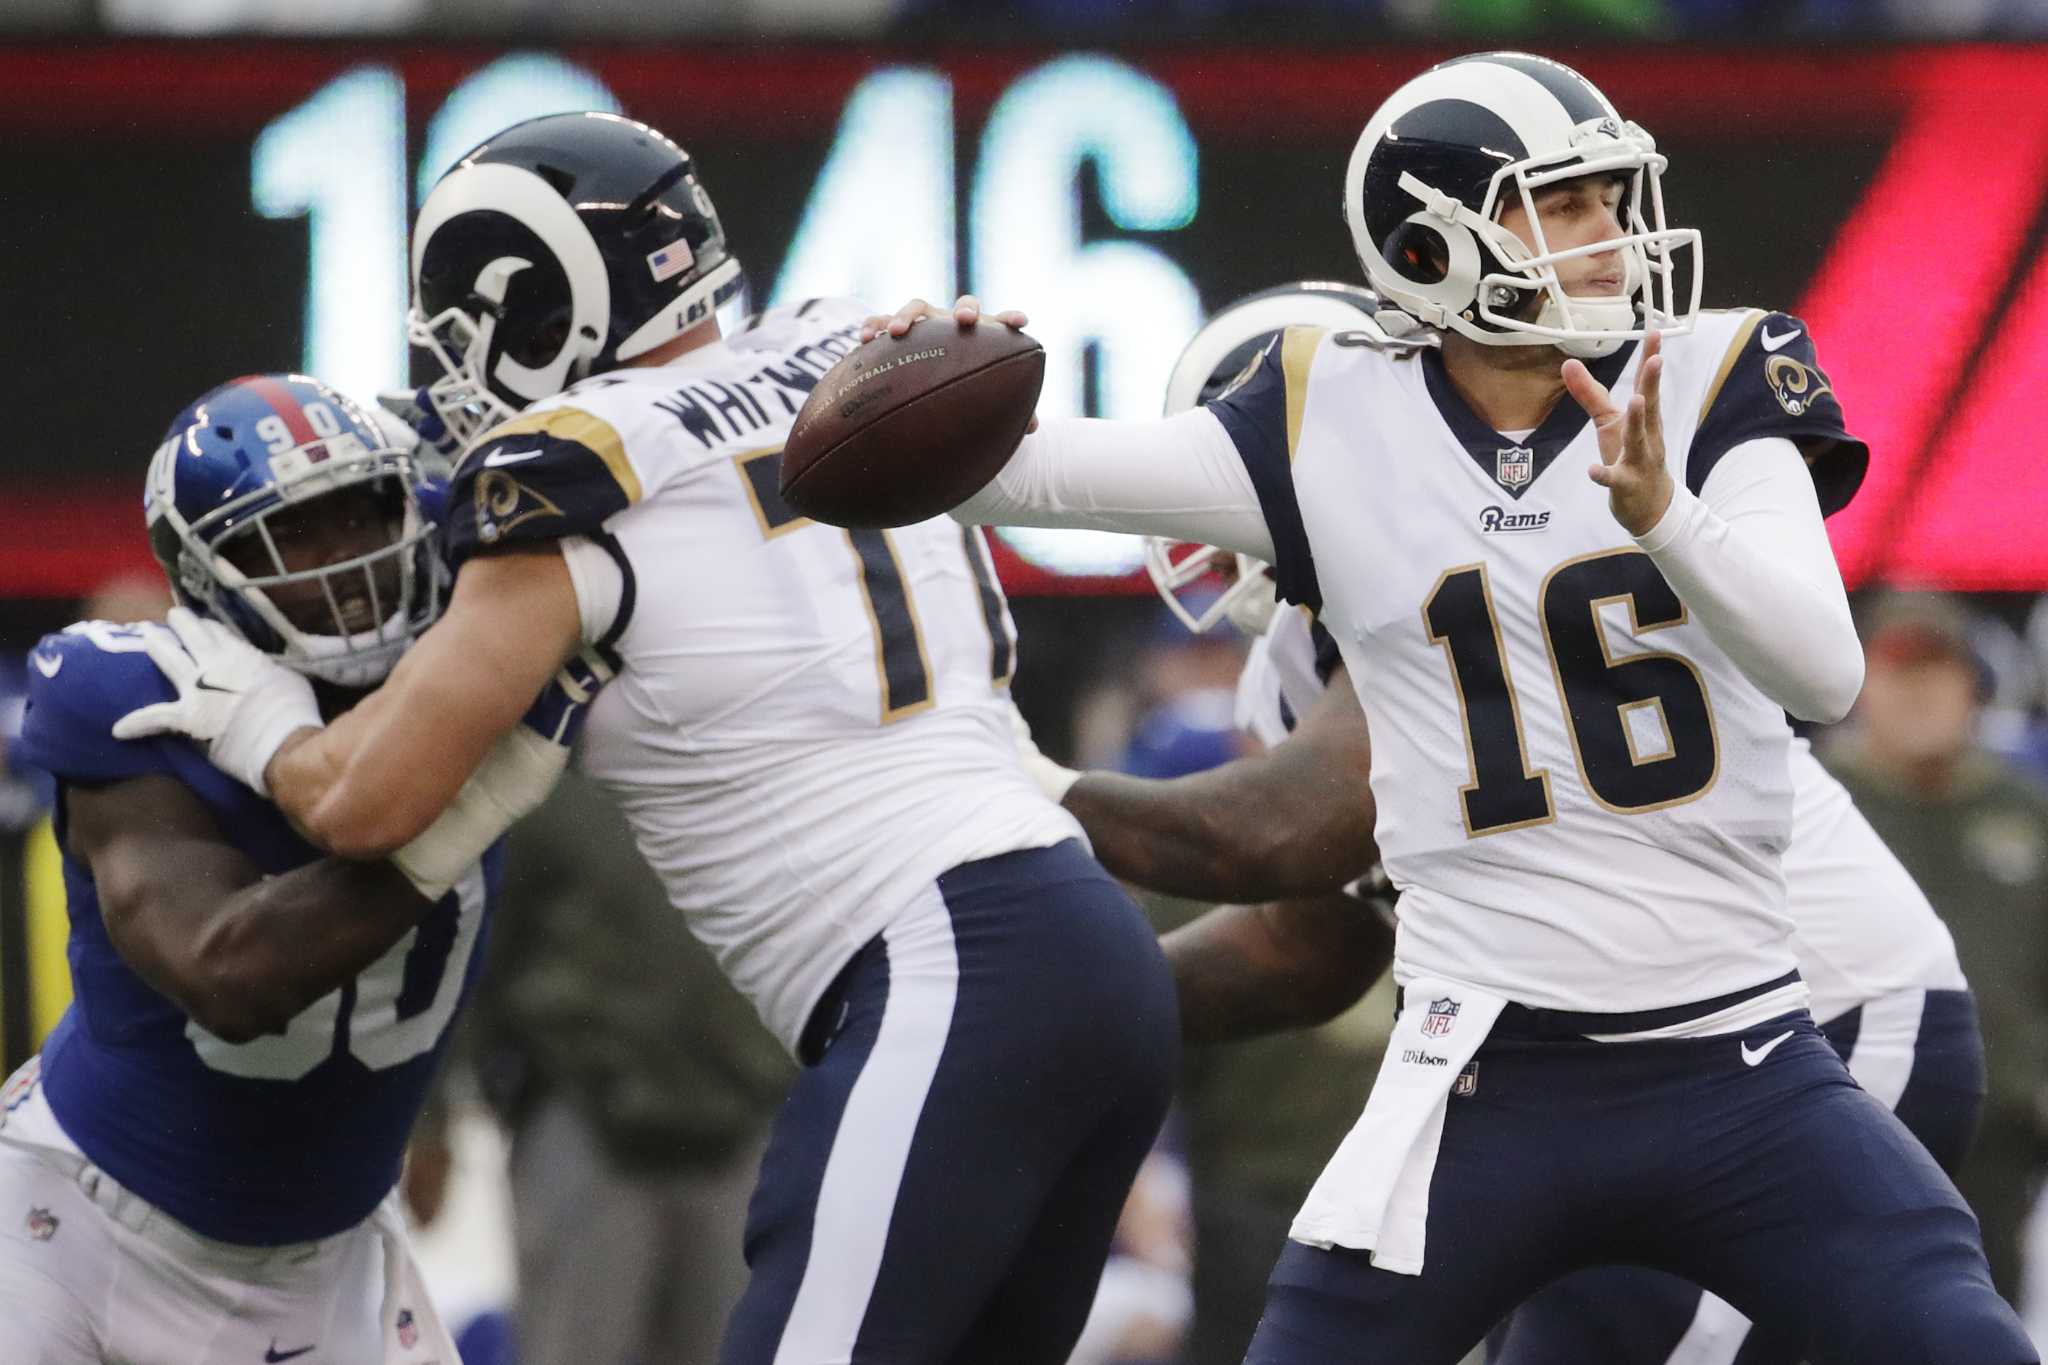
(252, 460)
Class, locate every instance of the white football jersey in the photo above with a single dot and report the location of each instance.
(809, 724)
(1582, 799)
(1861, 927)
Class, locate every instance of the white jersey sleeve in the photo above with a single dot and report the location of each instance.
(1177, 476)
(1751, 559)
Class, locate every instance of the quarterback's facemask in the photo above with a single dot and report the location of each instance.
(279, 508)
(1443, 157)
(1217, 357)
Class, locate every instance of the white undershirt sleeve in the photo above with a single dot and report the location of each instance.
(1179, 477)
(599, 582)
(1750, 559)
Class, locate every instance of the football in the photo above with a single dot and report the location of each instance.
(907, 428)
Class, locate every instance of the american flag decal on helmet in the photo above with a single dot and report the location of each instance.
(671, 260)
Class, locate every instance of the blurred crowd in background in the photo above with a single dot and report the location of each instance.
(1026, 20)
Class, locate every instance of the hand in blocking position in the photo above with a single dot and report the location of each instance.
(1631, 467)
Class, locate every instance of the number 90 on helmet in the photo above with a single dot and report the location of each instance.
(285, 511)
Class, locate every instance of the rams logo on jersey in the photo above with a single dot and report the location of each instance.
(1795, 385)
(503, 502)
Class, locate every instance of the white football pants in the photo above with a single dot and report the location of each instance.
(90, 1274)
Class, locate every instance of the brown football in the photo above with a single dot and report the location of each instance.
(906, 428)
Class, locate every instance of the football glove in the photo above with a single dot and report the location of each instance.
(239, 703)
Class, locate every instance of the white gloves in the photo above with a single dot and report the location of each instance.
(1052, 779)
(237, 701)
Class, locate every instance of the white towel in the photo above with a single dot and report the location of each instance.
(1374, 1194)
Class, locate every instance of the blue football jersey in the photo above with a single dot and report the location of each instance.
(293, 1136)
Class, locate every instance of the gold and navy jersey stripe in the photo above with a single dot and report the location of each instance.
(539, 477)
(1263, 414)
(1769, 383)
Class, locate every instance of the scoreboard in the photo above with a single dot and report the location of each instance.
(180, 213)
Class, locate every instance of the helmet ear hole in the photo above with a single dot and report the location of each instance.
(1419, 252)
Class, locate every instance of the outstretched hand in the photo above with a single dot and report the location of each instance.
(1631, 468)
(966, 312)
(238, 702)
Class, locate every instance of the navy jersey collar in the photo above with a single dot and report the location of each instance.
(1485, 445)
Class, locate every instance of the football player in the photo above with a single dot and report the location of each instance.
(1881, 966)
(201, 1163)
(810, 735)
(1573, 557)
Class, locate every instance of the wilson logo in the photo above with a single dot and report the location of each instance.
(1493, 519)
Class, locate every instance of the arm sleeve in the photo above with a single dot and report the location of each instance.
(1179, 477)
(1749, 556)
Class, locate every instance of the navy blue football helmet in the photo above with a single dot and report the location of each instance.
(234, 470)
(562, 247)
(1446, 153)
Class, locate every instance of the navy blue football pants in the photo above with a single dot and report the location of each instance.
(982, 1083)
(1781, 1186)
(1630, 1316)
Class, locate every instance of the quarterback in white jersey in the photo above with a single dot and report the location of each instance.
(1576, 681)
(808, 730)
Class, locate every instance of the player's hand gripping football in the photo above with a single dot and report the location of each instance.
(1631, 467)
(237, 701)
(966, 312)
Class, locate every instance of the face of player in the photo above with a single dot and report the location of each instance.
(1577, 213)
(1920, 710)
(328, 530)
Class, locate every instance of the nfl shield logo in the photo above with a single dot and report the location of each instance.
(1468, 1080)
(408, 1330)
(1514, 466)
(42, 1224)
(1441, 1019)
